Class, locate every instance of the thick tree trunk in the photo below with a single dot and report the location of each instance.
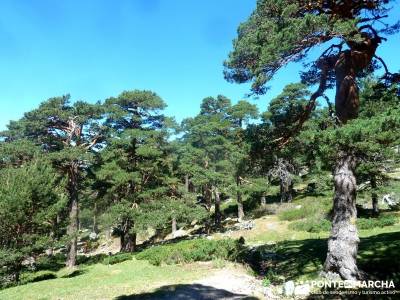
(217, 208)
(173, 225)
(239, 200)
(73, 226)
(343, 242)
(374, 196)
(128, 239)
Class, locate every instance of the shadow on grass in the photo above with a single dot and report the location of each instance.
(186, 292)
(377, 256)
(74, 273)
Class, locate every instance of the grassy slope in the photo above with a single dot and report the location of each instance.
(107, 282)
(300, 257)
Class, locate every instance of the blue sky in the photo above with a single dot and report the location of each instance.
(95, 49)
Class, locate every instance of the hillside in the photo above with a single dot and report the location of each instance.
(279, 254)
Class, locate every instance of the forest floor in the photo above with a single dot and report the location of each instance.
(301, 255)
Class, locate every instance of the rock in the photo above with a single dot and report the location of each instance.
(179, 233)
(93, 236)
(302, 290)
(268, 293)
(390, 200)
(288, 288)
(298, 206)
(29, 261)
(209, 237)
(245, 225)
(194, 222)
(330, 276)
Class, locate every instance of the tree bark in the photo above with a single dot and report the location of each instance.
(73, 226)
(239, 200)
(208, 197)
(187, 183)
(128, 239)
(173, 225)
(286, 187)
(343, 242)
(374, 196)
(217, 213)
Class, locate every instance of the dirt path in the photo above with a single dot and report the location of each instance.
(230, 283)
(235, 282)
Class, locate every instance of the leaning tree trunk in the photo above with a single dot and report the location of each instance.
(128, 239)
(73, 226)
(239, 200)
(217, 213)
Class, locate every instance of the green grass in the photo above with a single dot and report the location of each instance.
(292, 246)
(106, 282)
(303, 259)
(307, 206)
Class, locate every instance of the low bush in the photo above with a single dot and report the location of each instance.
(116, 259)
(193, 250)
(381, 221)
(311, 225)
(320, 225)
(37, 276)
(91, 260)
(50, 262)
(308, 206)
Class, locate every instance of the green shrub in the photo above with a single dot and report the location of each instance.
(381, 221)
(37, 276)
(90, 260)
(299, 213)
(266, 282)
(116, 259)
(50, 262)
(193, 250)
(311, 225)
(317, 225)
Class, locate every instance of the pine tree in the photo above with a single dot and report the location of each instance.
(279, 32)
(69, 133)
(136, 165)
(32, 197)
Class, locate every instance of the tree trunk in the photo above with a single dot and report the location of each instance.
(343, 242)
(173, 225)
(217, 208)
(239, 200)
(95, 228)
(73, 226)
(187, 183)
(128, 239)
(208, 197)
(286, 187)
(374, 196)
(263, 201)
